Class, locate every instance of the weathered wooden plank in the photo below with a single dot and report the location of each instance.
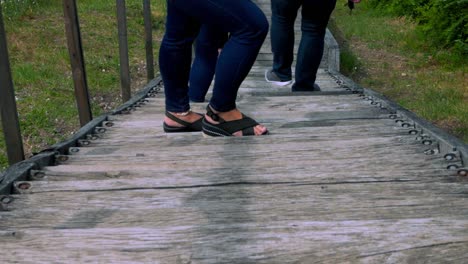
(155, 137)
(163, 142)
(187, 180)
(251, 161)
(299, 213)
(187, 205)
(197, 177)
(194, 145)
(282, 242)
(330, 129)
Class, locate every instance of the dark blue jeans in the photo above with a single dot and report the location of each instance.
(248, 28)
(315, 16)
(208, 41)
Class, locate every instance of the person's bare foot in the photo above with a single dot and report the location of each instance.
(191, 117)
(232, 115)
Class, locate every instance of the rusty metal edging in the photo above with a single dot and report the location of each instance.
(20, 171)
(448, 143)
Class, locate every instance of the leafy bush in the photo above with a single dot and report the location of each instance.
(443, 22)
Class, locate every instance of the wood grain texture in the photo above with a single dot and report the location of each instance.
(340, 179)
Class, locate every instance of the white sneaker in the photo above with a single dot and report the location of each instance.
(271, 77)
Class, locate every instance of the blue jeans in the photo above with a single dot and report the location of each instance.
(248, 28)
(315, 16)
(208, 41)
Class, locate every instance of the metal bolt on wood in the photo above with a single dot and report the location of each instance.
(393, 116)
(100, 130)
(422, 137)
(413, 132)
(462, 172)
(92, 137)
(23, 185)
(452, 167)
(108, 124)
(399, 121)
(38, 175)
(430, 152)
(450, 156)
(6, 199)
(74, 150)
(427, 142)
(84, 142)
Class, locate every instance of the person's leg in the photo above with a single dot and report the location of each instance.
(208, 42)
(315, 16)
(174, 60)
(248, 28)
(175, 57)
(283, 17)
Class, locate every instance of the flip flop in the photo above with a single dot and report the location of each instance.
(186, 126)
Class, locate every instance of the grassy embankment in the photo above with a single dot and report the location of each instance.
(41, 69)
(388, 55)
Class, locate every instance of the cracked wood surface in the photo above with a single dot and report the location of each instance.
(340, 179)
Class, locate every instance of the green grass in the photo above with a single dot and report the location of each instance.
(388, 55)
(41, 69)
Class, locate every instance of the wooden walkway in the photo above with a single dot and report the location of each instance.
(344, 177)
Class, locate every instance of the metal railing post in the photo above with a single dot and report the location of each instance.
(123, 50)
(72, 28)
(148, 40)
(8, 109)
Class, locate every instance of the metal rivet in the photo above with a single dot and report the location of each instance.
(109, 124)
(24, 185)
(430, 152)
(85, 142)
(463, 172)
(6, 200)
(450, 156)
(452, 167)
(393, 116)
(406, 125)
(413, 132)
(62, 158)
(427, 142)
(100, 130)
(39, 175)
(74, 150)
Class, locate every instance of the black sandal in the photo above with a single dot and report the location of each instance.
(187, 127)
(227, 128)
